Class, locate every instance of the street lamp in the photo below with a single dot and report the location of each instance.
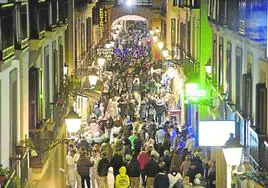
(101, 62)
(117, 31)
(65, 69)
(72, 121)
(160, 45)
(93, 78)
(157, 30)
(155, 38)
(119, 26)
(112, 43)
(208, 67)
(232, 151)
(165, 53)
(151, 32)
(114, 36)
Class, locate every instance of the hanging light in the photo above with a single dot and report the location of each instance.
(112, 43)
(151, 32)
(232, 151)
(157, 30)
(65, 69)
(72, 121)
(93, 78)
(208, 67)
(160, 45)
(119, 26)
(101, 62)
(114, 36)
(117, 31)
(154, 38)
(165, 53)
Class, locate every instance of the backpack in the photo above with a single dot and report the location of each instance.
(178, 184)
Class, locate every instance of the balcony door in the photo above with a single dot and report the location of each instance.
(33, 98)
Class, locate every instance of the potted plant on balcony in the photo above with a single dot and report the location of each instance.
(20, 148)
(4, 172)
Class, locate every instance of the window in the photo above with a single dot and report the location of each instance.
(33, 98)
(215, 58)
(173, 31)
(24, 23)
(261, 109)
(46, 82)
(42, 17)
(13, 89)
(229, 71)
(7, 38)
(220, 73)
(238, 70)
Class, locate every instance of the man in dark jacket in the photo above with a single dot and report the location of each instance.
(133, 171)
(117, 162)
(151, 169)
(103, 168)
(161, 179)
(83, 166)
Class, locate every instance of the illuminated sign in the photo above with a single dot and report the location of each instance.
(101, 16)
(105, 16)
(214, 133)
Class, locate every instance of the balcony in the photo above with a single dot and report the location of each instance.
(38, 11)
(7, 30)
(258, 148)
(21, 39)
(44, 137)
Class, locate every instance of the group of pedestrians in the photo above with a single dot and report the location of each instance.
(130, 131)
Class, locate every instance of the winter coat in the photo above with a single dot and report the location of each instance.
(151, 168)
(161, 181)
(143, 159)
(122, 179)
(116, 163)
(103, 167)
(173, 178)
(133, 168)
(160, 136)
(83, 166)
(143, 110)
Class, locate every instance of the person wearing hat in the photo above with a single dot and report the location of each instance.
(151, 169)
(122, 179)
(103, 168)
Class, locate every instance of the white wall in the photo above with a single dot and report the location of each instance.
(5, 112)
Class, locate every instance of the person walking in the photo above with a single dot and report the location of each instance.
(71, 169)
(83, 167)
(117, 162)
(94, 170)
(161, 179)
(151, 169)
(103, 168)
(143, 158)
(122, 179)
(133, 171)
(174, 176)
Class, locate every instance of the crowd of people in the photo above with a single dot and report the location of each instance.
(130, 130)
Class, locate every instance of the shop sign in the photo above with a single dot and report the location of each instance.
(105, 52)
(175, 113)
(105, 16)
(101, 16)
